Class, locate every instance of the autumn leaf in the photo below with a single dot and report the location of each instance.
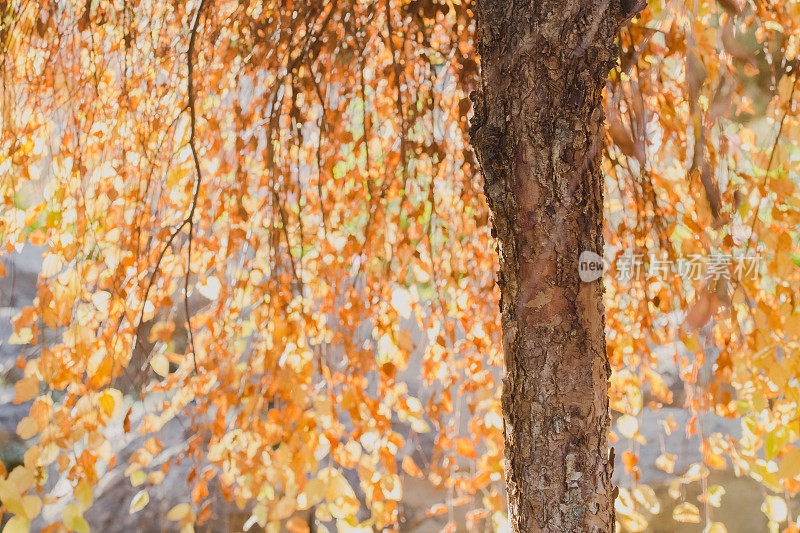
(73, 519)
(162, 331)
(628, 426)
(437, 509)
(160, 365)
(411, 468)
(27, 428)
(17, 524)
(790, 463)
(465, 447)
(775, 508)
(646, 496)
(26, 389)
(110, 402)
(139, 501)
(297, 525)
(687, 513)
(84, 495)
(179, 512)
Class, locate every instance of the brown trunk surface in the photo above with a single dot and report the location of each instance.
(537, 134)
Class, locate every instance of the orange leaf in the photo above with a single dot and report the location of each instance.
(477, 514)
(630, 461)
(464, 447)
(411, 468)
(27, 428)
(481, 480)
(199, 492)
(437, 509)
(41, 411)
(297, 525)
(25, 389)
(37, 237)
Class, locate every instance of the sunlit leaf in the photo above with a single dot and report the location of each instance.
(686, 512)
(139, 501)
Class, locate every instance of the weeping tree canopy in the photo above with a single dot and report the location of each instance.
(263, 220)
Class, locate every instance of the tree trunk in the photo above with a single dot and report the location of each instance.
(537, 134)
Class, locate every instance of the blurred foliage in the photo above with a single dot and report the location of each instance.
(265, 219)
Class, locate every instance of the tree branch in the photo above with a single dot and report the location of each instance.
(189, 219)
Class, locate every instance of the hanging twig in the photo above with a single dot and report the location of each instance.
(189, 219)
(190, 216)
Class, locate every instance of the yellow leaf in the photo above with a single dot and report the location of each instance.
(160, 365)
(110, 401)
(624, 503)
(73, 519)
(22, 336)
(666, 462)
(714, 495)
(179, 512)
(696, 472)
(674, 489)
(10, 496)
(138, 477)
(336, 484)
(715, 527)
(627, 514)
(645, 495)
(17, 524)
(691, 342)
(32, 505)
(686, 512)
(139, 501)
(155, 477)
(778, 437)
(352, 526)
(83, 494)
(27, 428)
(22, 478)
(419, 425)
(634, 522)
(747, 136)
(25, 389)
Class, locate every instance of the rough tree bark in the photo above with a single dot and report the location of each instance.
(537, 134)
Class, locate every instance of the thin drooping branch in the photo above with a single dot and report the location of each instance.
(768, 169)
(192, 129)
(189, 219)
